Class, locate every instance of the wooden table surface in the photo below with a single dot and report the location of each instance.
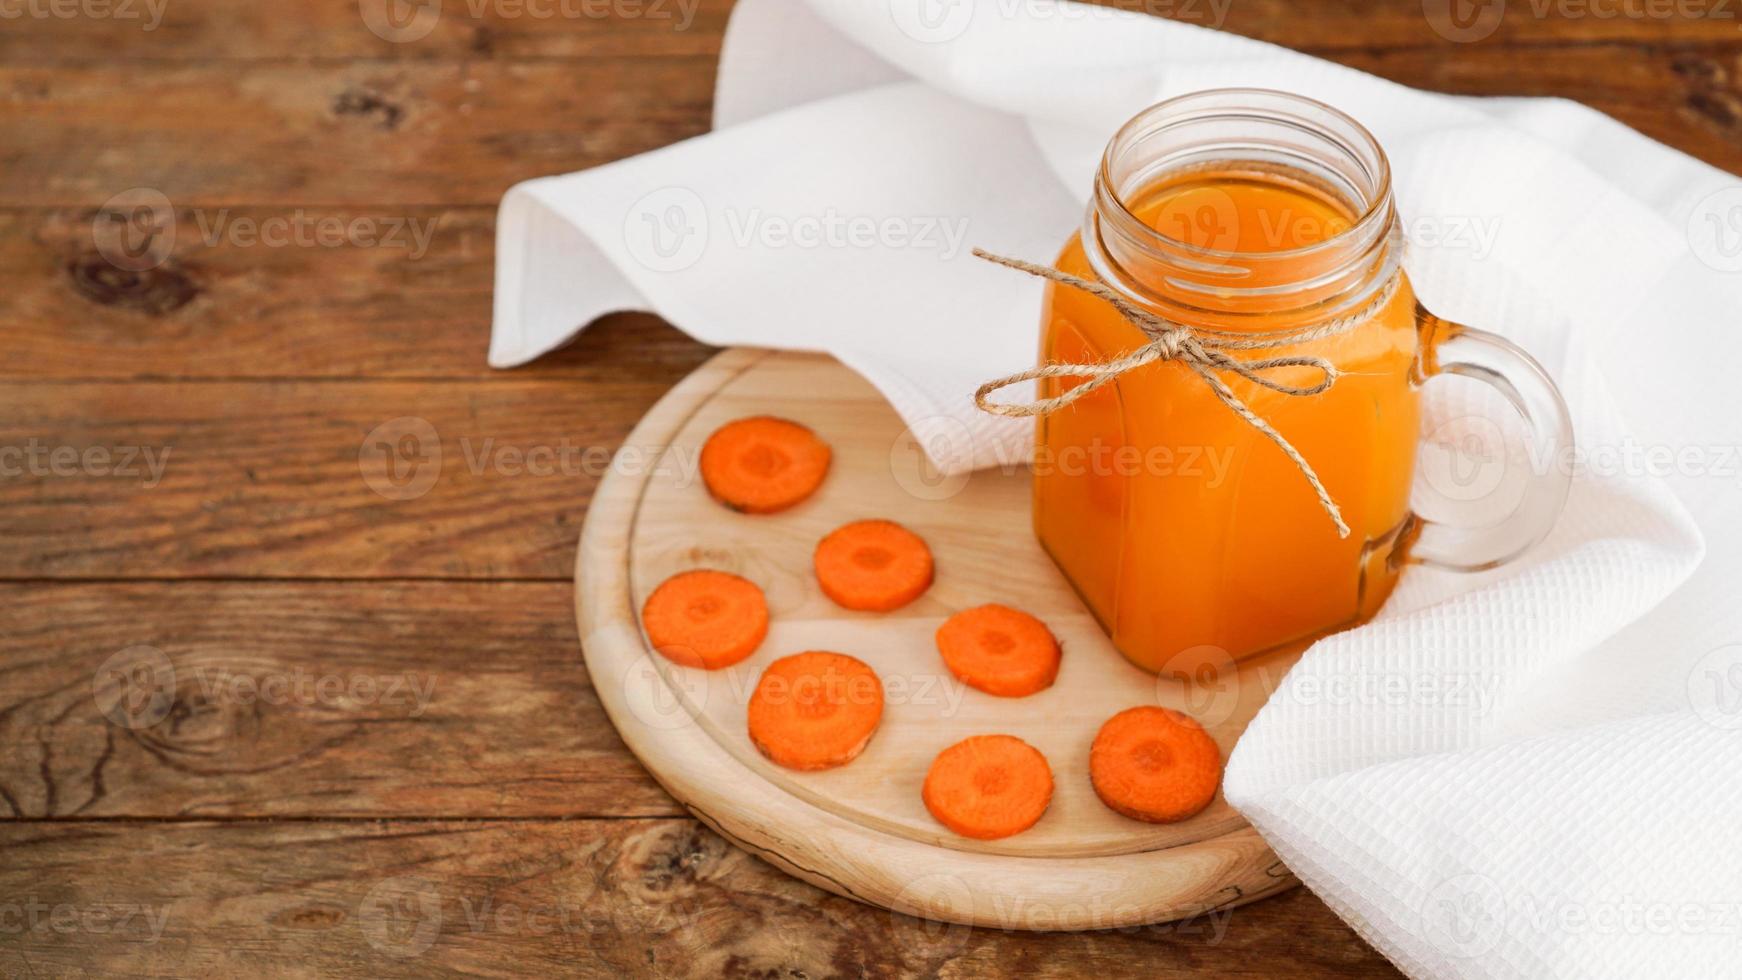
(375, 751)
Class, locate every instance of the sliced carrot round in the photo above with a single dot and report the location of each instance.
(999, 650)
(988, 786)
(873, 566)
(763, 464)
(815, 710)
(705, 618)
(1154, 764)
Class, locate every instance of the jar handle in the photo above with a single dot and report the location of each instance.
(1452, 348)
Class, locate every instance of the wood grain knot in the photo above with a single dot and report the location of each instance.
(309, 918)
(1710, 91)
(674, 859)
(369, 104)
(155, 292)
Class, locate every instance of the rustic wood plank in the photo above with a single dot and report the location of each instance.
(298, 479)
(421, 699)
(369, 134)
(1689, 97)
(389, 135)
(399, 294)
(235, 30)
(157, 30)
(412, 298)
(660, 897)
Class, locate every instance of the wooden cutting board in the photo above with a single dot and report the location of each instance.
(861, 830)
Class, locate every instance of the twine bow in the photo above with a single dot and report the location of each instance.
(1199, 348)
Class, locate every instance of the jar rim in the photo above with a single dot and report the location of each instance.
(1259, 104)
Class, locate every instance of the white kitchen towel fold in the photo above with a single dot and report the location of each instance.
(1532, 772)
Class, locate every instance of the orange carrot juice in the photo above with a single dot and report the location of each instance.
(1182, 526)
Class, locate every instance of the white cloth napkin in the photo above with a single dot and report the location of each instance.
(1532, 772)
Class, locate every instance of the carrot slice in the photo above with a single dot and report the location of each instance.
(1154, 764)
(873, 566)
(999, 650)
(763, 464)
(815, 710)
(705, 618)
(988, 786)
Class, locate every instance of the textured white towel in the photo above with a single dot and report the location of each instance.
(1532, 772)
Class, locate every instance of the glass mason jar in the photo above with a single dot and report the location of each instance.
(1242, 213)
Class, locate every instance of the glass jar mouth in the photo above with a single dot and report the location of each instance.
(1312, 119)
(1244, 158)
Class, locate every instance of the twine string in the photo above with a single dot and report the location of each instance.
(1203, 350)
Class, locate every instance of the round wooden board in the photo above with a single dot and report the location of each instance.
(861, 830)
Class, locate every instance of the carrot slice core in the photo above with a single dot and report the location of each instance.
(763, 464)
(1155, 764)
(704, 618)
(999, 650)
(988, 786)
(873, 566)
(815, 710)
